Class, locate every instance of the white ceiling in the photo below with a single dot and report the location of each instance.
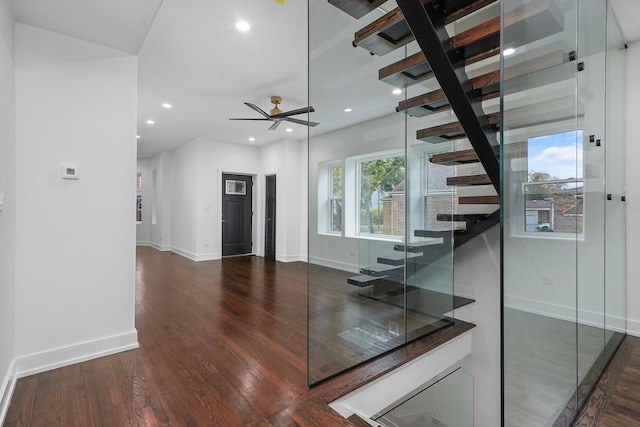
(191, 55)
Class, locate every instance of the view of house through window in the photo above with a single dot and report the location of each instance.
(553, 192)
(336, 198)
(382, 196)
(139, 197)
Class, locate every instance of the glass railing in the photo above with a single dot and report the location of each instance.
(376, 278)
(446, 403)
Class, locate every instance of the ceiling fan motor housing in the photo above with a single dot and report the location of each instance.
(275, 110)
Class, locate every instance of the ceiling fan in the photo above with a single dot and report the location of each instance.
(277, 116)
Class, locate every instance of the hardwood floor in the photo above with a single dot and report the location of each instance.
(222, 343)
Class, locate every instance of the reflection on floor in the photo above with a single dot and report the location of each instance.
(545, 359)
(347, 327)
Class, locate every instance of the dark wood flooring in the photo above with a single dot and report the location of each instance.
(222, 343)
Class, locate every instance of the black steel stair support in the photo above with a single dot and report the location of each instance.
(477, 229)
(428, 29)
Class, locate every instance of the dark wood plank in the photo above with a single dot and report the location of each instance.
(485, 86)
(554, 110)
(468, 180)
(391, 31)
(463, 157)
(479, 200)
(482, 41)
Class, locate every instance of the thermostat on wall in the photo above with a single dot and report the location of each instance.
(70, 172)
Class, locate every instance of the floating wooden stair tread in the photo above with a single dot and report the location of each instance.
(357, 8)
(469, 219)
(382, 270)
(364, 280)
(398, 258)
(479, 42)
(391, 31)
(438, 233)
(417, 246)
(463, 157)
(479, 200)
(468, 180)
(535, 114)
(486, 86)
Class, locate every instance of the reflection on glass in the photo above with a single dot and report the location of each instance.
(448, 402)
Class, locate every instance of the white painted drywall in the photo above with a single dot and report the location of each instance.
(184, 199)
(159, 187)
(8, 189)
(633, 190)
(283, 159)
(477, 271)
(75, 239)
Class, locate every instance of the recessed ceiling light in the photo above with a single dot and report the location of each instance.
(347, 110)
(397, 91)
(243, 26)
(289, 130)
(508, 51)
(151, 122)
(166, 105)
(252, 139)
(137, 136)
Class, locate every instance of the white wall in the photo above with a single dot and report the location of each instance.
(75, 260)
(143, 229)
(8, 209)
(477, 275)
(284, 159)
(633, 190)
(160, 187)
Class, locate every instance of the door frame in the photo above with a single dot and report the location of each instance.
(217, 223)
(275, 233)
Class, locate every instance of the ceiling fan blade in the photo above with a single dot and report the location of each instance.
(255, 107)
(301, 122)
(308, 109)
(265, 120)
(275, 125)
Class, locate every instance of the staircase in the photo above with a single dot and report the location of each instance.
(465, 65)
(446, 61)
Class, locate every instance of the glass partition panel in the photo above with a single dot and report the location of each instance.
(563, 228)
(592, 16)
(356, 198)
(542, 186)
(615, 292)
(447, 402)
(380, 260)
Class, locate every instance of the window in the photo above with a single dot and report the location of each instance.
(381, 196)
(139, 197)
(439, 197)
(335, 199)
(553, 191)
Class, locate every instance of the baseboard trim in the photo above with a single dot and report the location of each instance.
(633, 327)
(6, 390)
(182, 252)
(161, 248)
(143, 243)
(290, 258)
(69, 355)
(351, 268)
(562, 312)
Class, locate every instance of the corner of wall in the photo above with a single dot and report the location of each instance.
(7, 387)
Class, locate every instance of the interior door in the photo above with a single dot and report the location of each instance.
(270, 218)
(237, 214)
